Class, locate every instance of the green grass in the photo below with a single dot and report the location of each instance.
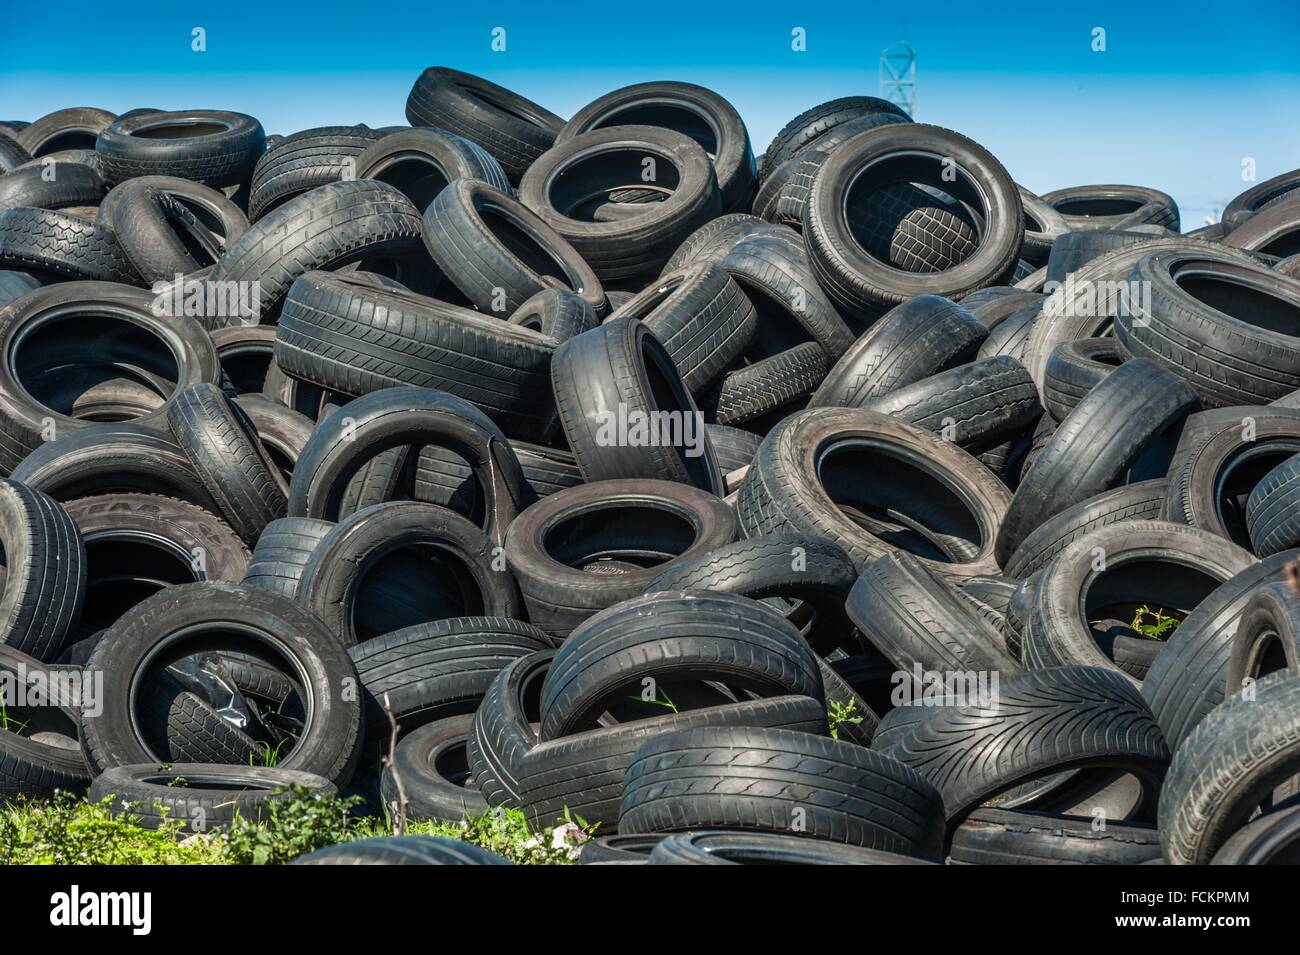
(69, 830)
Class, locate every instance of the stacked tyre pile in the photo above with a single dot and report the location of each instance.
(303, 432)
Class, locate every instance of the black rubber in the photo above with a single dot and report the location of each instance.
(39, 752)
(1075, 368)
(585, 548)
(1188, 678)
(305, 160)
(1096, 445)
(1266, 637)
(1082, 718)
(434, 771)
(779, 781)
(201, 796)
(281, 553)
(62, 244)
(668, 644)
(513, 129)
(928, 496)
(765, 848)
(1229, 765)
(403, 563)
(1273, 509)
(1004, 837)
(421, 163)
(812, 575)
(402, 850)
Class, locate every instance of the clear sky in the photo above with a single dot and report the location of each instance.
(1182, 94)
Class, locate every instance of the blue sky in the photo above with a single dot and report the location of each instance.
(1177, 100)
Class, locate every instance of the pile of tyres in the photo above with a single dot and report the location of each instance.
(974, 540)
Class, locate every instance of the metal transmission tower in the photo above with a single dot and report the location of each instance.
(898, 76)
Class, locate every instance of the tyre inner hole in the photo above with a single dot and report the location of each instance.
(667, 394)
(894, 206)
(274, 728)
(109, 347)
(416, 175)
(592, 180)
(1098, 206)
(680, 117)
(1241, 301)
(777, 330)
(899, 502)
(535, 256)
(643, 535)
(41, 723)
(124, 568)
(68, 139)
(1242, 475)
(1118, 592)
(412, 584)
(180, 130)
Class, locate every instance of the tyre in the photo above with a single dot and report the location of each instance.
(229, 458)
(515, 130)
(434, 770)
(1096, 445)
(400, 564)
(758, 778)
(565, 183)
(976, 406)
(214, 147)
(352, 338)
(137, 544)
(39, 751)
(65, 245)
(1229, 340)
(1002, 837)
(1229, 765)
(45, 583)
(861, 277)
(402, 850)
(1269, 840)
(810, 125)
(202, 795)
(1011, 337)
(1188, 678)
(774, 274)
(282, 431)
(557, 313)
(14, 285)
(1113, 207)
(1081, 718)
(108, 458)
(1077, 249)
(1074, 369)
(340, 223)
(433, 671)
(1271, 231)
(401, 417)
(12, 155)
(218, 615)
(75, 128)
(1043, 226)
(1213, 486)
(422, 162)
(679, 642)
(929, 497)
(1271, 509)
(498, 252)
(1143, 501)
(920, 623)
(621, 370)
(299, 163)
(701, 317)
(169, 227)
(752, 394)
(1260, 197)
(734, 447)
(443, 477)
(51, 185)
(996, 304)
(1265, 641)
(282, 551)
(764, 848)
(716, 238)
(586, 548)
(688, 109)
(1146, 564)
(812, 576)
(912, 342)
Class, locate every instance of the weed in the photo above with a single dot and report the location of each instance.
(841, 714)
(1161, 626)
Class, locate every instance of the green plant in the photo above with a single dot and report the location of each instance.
(68, 830)
(10, 723)
(1161, 626)
(841, 714)
(507, 833)
(270, 755)
(661, 699)
(297, 821)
